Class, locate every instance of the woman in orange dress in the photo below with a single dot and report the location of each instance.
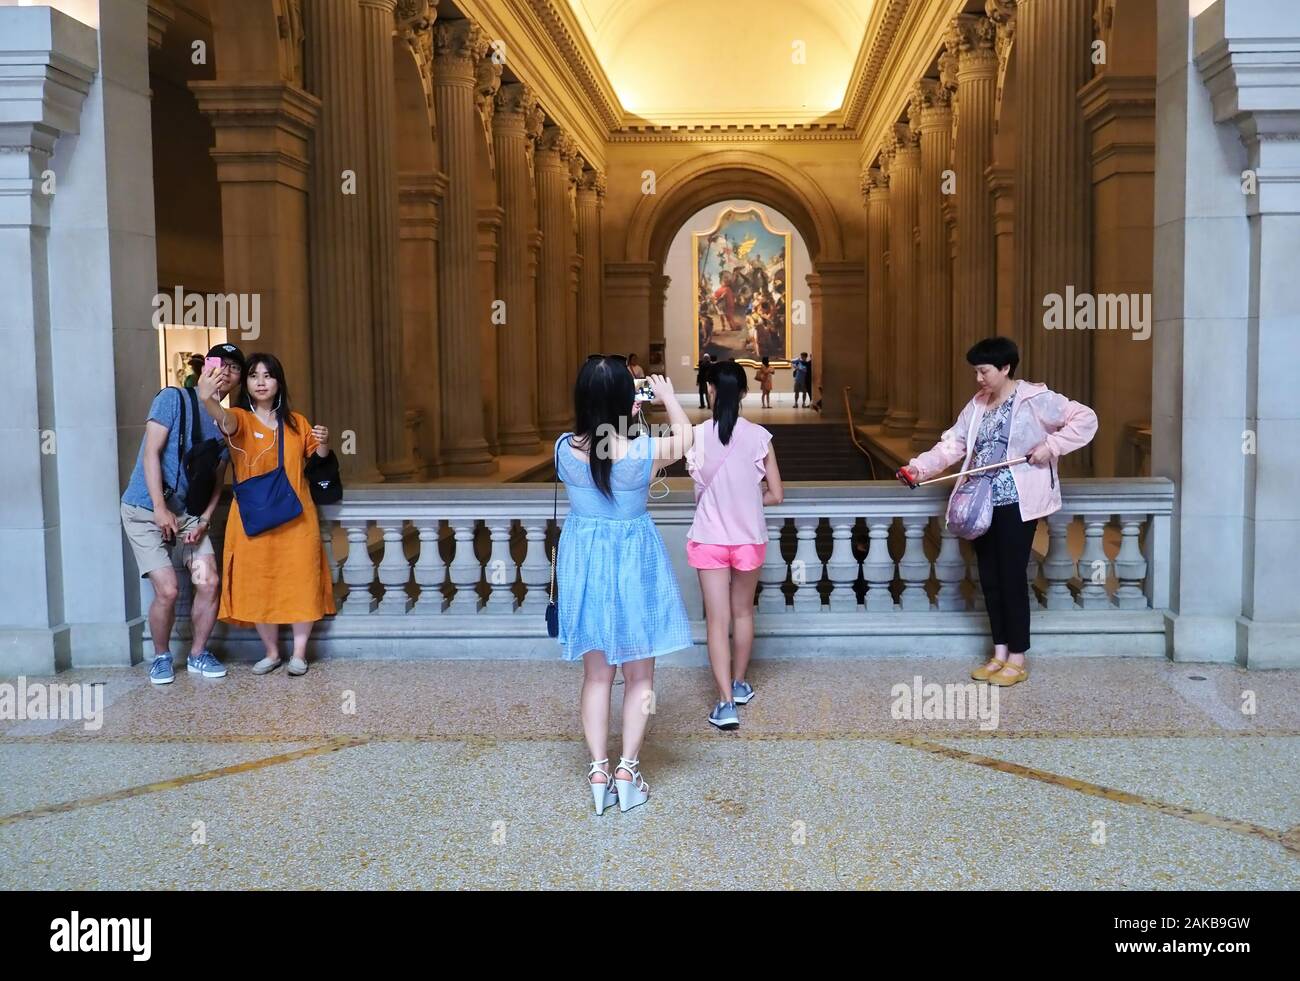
(281, 575)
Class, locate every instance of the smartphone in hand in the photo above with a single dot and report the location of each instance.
(210, 364)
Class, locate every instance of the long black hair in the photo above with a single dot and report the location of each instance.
(731, 384)
(283, 410)
(602, 405)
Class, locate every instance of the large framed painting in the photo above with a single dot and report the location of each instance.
(742, 303)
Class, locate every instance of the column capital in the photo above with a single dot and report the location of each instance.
(457, 47)
(593, 182)
(906, 139)
(556, 144)
(930, 107)
(514, 102)
(414, 16)
(973, 40)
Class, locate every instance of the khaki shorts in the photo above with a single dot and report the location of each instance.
(146, 538)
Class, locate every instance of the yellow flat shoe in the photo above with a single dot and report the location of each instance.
(1011, 674)
(985, 671)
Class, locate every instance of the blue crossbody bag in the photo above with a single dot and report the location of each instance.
(267, 500)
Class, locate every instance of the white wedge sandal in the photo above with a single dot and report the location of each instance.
(602, 794)
(634, 792)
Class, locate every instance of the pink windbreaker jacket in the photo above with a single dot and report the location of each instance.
(1037, 415)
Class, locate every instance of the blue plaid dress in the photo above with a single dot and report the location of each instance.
(616, 589)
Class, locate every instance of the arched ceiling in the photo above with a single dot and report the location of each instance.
(726, 61)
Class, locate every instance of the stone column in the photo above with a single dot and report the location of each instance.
(489, 244)
(839, 306)
(931, 114)
(458, 47)
(878, 333)
(393, 452)
(58, 437)
(904, 167)
(553, 368)
(263, 131)
(419, 201)
(1054, 195)
(339, 222)
(517, 335)
(971, 39)
(576, 166)
(591, 197)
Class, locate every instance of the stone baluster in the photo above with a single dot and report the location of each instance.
(914, 567)
(807, 568)
(842, 569)
(1131, 565)
(1059, 566)
(430, 569)
(950, 570)
(878, 566)
(358, 570)
(772, 575)
(501, 569)
(394, 569)
(535, 570)
(327, 543)
(1094, 567)
(465, 569)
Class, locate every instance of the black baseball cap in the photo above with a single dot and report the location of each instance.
(230, 353)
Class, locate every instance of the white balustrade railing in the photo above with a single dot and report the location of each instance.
(470, 567)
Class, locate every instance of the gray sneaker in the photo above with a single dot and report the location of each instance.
(741, 692)
(205, 664)
(724, 716)
(162, 672)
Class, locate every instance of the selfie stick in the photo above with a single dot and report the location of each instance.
(964, 473)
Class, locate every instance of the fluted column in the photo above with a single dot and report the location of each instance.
(931, 114)
(904, 166)
(974, 276)
(339, 223)
(393, 449)
(1054, 192)
(553, 366)
(876, 188)
(576, 166)
(458, 46)
(591, 198)
(419, 201)
(517, 335)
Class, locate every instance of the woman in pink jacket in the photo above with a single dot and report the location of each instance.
(1008, 419)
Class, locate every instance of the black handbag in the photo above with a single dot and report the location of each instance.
(322, 475)
(201, 461)
(267, 500)
(552, 610)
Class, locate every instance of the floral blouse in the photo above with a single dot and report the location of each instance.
(991, 447)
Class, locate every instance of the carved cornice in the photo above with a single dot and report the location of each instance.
(733, 133)
(886, 16)
(161, 16)
(575, 59)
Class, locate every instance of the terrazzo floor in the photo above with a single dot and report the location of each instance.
(1101, 773)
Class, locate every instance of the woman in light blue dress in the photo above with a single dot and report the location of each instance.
(619, 603)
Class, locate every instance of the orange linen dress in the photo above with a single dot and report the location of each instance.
(281, 575)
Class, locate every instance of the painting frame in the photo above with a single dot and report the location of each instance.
(737, 249)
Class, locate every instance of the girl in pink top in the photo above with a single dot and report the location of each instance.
(730, 460)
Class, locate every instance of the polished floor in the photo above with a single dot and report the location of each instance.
(1102, 773)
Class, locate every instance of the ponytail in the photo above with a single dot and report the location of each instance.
(730, 383)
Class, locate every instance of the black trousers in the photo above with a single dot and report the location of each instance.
(1003, 554)
(704, 396)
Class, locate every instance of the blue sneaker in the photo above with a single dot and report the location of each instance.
(161, 671)
(724, 716)
(741, 692)
(205, 664)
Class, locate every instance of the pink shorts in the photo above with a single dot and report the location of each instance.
(742, 558)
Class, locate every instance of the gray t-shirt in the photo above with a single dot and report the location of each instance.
(166, 410)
